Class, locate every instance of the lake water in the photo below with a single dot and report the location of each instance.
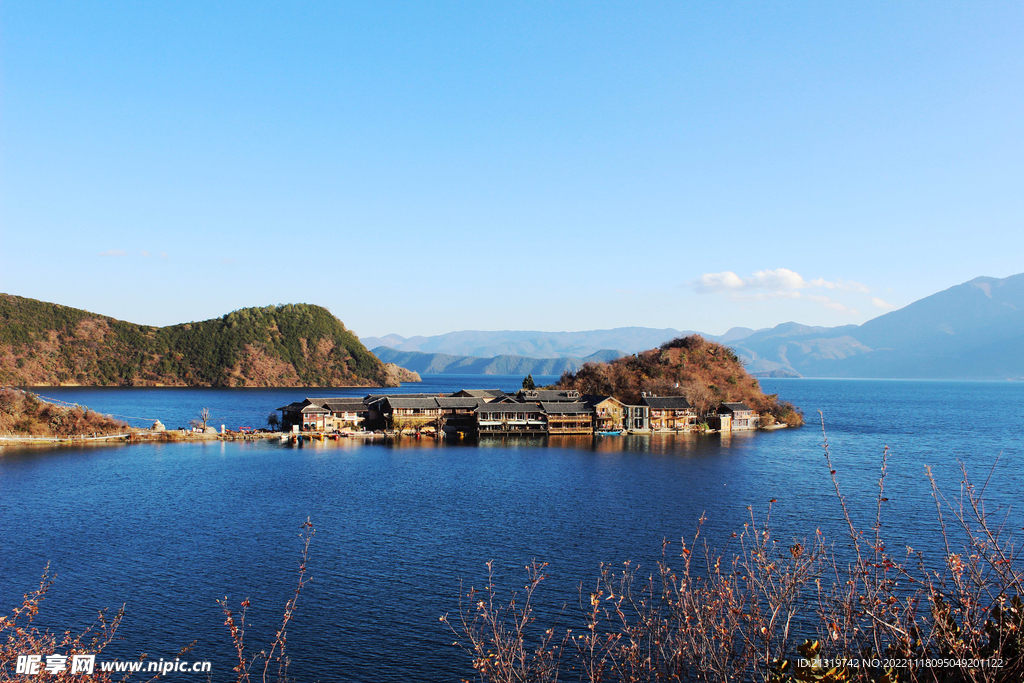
(168, 528)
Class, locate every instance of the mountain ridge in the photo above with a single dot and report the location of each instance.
(974, 330)
(530, 343)
(45, 344)
(448, 364)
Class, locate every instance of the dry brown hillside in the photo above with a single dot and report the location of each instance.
(706, 373)
(22, 413)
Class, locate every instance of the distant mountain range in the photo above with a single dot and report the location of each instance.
(530, 344)
(970, 331)
(447, 364)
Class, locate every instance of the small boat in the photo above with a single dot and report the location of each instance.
(610, 432)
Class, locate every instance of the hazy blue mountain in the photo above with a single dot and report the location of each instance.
(970, 331)
(531, 344)
(391, 340)
(734, 334)
(448, 364)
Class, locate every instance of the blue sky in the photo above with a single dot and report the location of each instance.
(425, 167)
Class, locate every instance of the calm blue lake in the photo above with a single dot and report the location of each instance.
(169, 529)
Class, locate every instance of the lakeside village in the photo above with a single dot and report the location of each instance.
(484, 412)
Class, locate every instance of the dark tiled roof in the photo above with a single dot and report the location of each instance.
(564, 408)
(459, 402)
(413, 402)
(509, 408)
(548, 395)
(326, 399)
(312, 405)
(377, 397)
(735, 407)
(592, 399)
(348, 405)
(480, 393)
(666, 402)
(374, 399)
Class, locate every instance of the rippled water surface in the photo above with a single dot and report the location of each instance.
(168, 529)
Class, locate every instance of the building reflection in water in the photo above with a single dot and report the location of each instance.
(656, 444)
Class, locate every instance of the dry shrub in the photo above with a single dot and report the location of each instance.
(24, 413)
(20, 636)
(270, 663)
(500, 634)
(765, 610)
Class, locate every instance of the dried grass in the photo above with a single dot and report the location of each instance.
(761, 609)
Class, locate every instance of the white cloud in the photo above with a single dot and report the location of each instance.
(829, 302)
(777, 280)
(841, 284)
(780, 283)
(114, 252)
(718, 282)
(145, 253)
(884, 305)
(767, 296)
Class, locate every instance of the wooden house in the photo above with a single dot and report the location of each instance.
(346, 412)
(510, 418)
(324, 414)
(568, 418)
(609, 413)
(304, 415)
(458, 413)
(636, 418)
(739, 416)
(670, 413)
(404, 412)
(375, 404)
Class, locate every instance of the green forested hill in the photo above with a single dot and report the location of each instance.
(291, 345)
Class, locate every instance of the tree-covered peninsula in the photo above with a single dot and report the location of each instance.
(45, 344)
(706, 373)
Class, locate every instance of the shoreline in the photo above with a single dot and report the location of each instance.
(178, 436)
(29, 387)
(133, 437)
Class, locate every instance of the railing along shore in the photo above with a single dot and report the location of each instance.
(28, 437)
